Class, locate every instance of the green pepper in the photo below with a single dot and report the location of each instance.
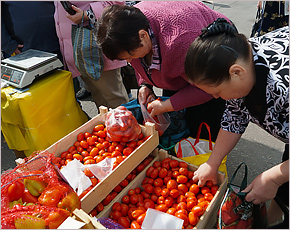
(35, 187)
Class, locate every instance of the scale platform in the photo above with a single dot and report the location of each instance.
(22, 69)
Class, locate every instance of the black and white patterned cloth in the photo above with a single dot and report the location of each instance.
(267, 105)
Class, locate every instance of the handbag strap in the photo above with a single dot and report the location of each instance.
(209, 134)
(179, 151)
(244, 181)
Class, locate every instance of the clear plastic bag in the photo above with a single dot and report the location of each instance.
(121, 125)
(161, 121)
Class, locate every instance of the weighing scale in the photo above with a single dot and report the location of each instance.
(22, 69)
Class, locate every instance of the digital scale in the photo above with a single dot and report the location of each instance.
(22, 69)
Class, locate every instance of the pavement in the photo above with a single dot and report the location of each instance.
(259, 150)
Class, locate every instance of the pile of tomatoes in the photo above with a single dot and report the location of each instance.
(93, 147)
(121, 186)
(167, 187)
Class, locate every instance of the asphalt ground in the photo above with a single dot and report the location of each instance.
(259, 150)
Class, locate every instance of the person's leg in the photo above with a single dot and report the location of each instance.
(210, 112)
(109, 90)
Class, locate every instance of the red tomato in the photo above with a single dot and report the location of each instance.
(158, 182)
(124, 183)
(124, 222)
(165, 165)
(27, 197)
(127, 151)
(171, 211)
(134, 198)
(116, 215)
(140, 218)
(140, 167)
(162, 172)
(169, 201)
(15, 190)
(90, 141)
(162, 207)
(190, 174)
(181, 179)
(136, 213)
(148, 188)
(126, 199)
(171, 184)
(154, 173)
(88, 172)
(191, 203)
(208, 196)
(98, 127)
(84, 144)
(135, 225)
(148, 204)
(72, 148)
(183, 164)
(193, 218)
(197, 210)
(205, 190)
(130, 211)
(183, 171)
(165, 192)
(183, 217)
(100, 207)
(173, 163)
(124, 209)
(80, 137)
(194, 188)
(183, 188)
(214, 189)
(174, 193)
(107, 200)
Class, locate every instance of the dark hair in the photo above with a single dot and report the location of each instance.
(118, 29)
(211, 55)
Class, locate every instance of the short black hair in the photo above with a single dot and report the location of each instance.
(118, 29)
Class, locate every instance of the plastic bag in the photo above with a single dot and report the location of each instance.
(121, 125)
(161, 121)
(197, 151)
(235, 212)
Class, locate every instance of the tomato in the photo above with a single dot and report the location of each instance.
(140, 167)
(99, 207)
(154, 173)
(191, 203)
(162, 172)
(115, 215)
(214, 189)
(181, 198)
(84, 144)
(208, 196)
(126, 199)
(89, 161)
(171, 211)
(148, 188)
(165, 165)
(183, 217)
(183, 164)
(166, 179)
(64, 154)
(88, 172)
(94, 212)
(193, 218)
(127, 151)
(173, 163)
(165, 192)
(190, 174)
(158, 182)
(148, 204)
(78, 157)
(72, 148)
(174, 193)
(197, 210)
(183, 171)
(15, 191)
(124, 222)
(200, 196)
(194, 188)
(162, 207)
(91, 141)
(183, 188)
(134, 198)
(136, 213)
(98, 127)
(124, 183)
(172, 184)
(140, 218)
(124, 209)
(80, 137)
(181, 179)
(135, 225)
(175, 174)
(205, 190)
(145, 194)
(107, 200)
(169, 201)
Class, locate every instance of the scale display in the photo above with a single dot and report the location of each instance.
(22, 69)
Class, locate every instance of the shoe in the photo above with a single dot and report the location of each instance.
(82, 94)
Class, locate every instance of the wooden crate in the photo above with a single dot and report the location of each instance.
(207, 220)
(104, 187)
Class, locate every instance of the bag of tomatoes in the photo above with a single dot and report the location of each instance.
(235, 212)
(121, 125)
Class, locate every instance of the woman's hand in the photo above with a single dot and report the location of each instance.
(77, 17)
(17, 50)
(261, 189)
(143, 95)
(204, 173)
(264, 187)
(158, 107)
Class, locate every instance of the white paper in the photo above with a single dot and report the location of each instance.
(73, 172)
(155, 219)
(103, 168)
(71, 223)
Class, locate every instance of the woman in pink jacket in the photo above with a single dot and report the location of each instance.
(109, 90)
